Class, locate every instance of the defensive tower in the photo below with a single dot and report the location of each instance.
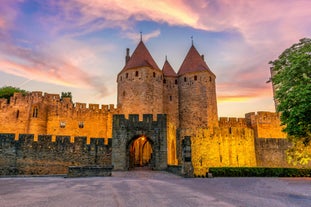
(140, 84)
(197, 92)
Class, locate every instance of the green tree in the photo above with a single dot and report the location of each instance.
(292, 82)
(8, 91)
(66, 95)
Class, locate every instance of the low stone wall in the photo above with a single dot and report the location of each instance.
(27, 156)
(175, 169)
(89, 171)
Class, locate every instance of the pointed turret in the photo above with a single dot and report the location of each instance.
(140, 84)
(193, 62)
(168, 70)
(197, 92)
(141, 57)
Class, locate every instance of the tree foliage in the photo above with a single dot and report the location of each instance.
(292, 81)
(66, 95)
(8, 91)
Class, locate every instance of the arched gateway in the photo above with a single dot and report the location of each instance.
(139, 143)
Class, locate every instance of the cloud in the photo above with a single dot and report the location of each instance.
(62, 62)
(264, 27)
(146, 37)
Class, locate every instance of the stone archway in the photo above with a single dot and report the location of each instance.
(140, 151)
(126, 131)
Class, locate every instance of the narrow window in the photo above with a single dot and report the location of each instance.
(136, 73)
(220, 158)
(126, 75)
(81, 124)
(164, 80)
(176, 81)
(185, 79)
(35, 112)
(120, 78)
(124, 93)
(153, 74)
(195, 77)
(17, 113)
(210, 79)
(62, 124)
(171, 98)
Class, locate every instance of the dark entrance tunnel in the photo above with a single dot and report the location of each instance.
(140, 152)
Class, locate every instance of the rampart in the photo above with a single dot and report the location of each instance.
(126, 131)
(26, 156)
(265, 124)
(271, 152)
(36, 113)
(222, 147)
(232, 122)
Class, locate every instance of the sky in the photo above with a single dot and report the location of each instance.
(79, 46)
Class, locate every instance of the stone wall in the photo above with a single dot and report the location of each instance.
(25, 156)
(222, 147)
(232, 122)
(140, 91)
(126, 131)
(48, 114)
(265, 124)
(271, 152)
(197, 100)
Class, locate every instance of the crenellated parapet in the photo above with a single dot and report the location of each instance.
(232, 122)
(133, 120)
(127, 130)
(29, 156)
(265, 124)
(43, 113)
(221, 146)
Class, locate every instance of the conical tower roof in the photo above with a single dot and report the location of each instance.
(141, 58)
(193, 62)
(168, 70)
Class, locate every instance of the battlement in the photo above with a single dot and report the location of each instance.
(265, 124)
(232, 122)
(262, 117)
(45, 156)
(119, 120)
(60, 139)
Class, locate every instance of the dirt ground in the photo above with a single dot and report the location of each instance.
(151, 188)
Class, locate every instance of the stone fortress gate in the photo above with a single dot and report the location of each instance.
(139, 143)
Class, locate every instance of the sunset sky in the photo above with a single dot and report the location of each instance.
(79, 45)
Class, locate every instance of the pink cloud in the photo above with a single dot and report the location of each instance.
(266, 28)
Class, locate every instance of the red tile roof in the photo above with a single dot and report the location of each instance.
(193, 62)
(141, 58)
(168, 70)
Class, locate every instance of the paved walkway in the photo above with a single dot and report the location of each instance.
(150, 188)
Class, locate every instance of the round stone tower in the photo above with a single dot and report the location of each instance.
(140, 84)
(197, 93)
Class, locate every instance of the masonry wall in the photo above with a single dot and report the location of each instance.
(126, 131)
(140, 91)
(265, 124)
(170, 107)
(271, 152)
(36, 113)
(80, 120)
(25, 156)
(222, 147)
(197, 100)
